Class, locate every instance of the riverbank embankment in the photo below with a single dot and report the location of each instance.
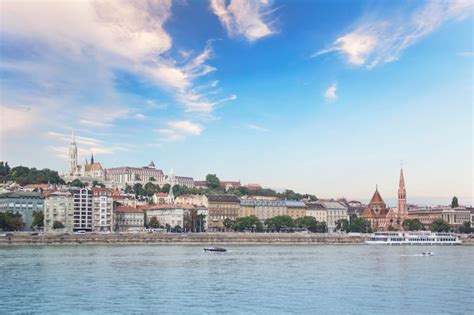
(176, 238)
(19, 239)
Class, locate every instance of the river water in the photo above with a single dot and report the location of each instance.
(253, 279)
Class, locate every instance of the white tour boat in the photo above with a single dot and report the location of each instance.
(413, 238)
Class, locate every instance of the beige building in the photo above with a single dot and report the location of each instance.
(317, 211)
(128, 219)
(426, 215)
(59, 207)
(296, 209)
(221, 207)
(247, 207)
(102, 209)
(196, 200)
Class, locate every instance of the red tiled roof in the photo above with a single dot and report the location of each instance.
(376, 199)
(33, 186)
(125, 209)
(371, 214)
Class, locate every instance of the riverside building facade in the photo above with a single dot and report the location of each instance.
(128, 219)
(23, 202)
(59, 209)
(220, 208)
(82, 198)
(102, 209)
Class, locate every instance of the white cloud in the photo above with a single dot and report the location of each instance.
(244, 17)
(186, 127)
(179, 130)
(86, 146)
(378, 41)
(16, 119)
(330, 93)
(257, 128)
(466, 54)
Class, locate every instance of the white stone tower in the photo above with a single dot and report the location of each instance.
(72, 155)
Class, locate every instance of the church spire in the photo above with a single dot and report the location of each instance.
(92, 158)
(402, 194)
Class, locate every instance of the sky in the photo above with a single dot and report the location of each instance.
(322, 97)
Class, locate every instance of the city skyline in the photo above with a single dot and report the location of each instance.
(297, 95)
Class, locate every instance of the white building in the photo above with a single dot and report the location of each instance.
(317, 211)
(59, 207)
(83, 209)
(87, 172)
(335, 211)
(128, 219)
(172, 215)
(127, 175)
(102, 212)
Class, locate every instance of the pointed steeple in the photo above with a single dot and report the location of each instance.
(73, 137)
(401, 185)
(171, 195)
(92, 158)
(402, 194)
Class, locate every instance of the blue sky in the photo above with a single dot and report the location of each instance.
(323, 97)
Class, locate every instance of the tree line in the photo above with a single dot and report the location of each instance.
(23, 175)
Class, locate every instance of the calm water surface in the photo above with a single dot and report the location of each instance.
(344, 279)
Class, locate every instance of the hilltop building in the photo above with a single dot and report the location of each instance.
(87, 172)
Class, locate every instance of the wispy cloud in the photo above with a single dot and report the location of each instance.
(466, 54)
(248, 18)
(179, 130)
(86, 146)
(375, 41)
(257, 128)
(331, 93)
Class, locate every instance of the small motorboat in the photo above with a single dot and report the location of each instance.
(215, 249)
(428, 254)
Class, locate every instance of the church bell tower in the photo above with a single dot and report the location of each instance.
(72, 155)
(402, 195)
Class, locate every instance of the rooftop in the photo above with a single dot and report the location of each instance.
(223, 198)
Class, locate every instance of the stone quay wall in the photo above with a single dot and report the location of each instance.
(14, 239)
(174, 238)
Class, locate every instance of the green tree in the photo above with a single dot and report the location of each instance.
(251, 223)
(128, 189)
(213, 181)
(138, 190)
(342, 225)
(4, 169)
(77, 183)
(11, 221)
(412, 225)
(454, 202)
(322, 227)
(439, 225)
(307, 222)
(153, 224)
(166, 188)
(279, 223)
(358, 225)
(38, 219)
(466, 228)
(150, 189)
(58, 225)
(228, 223)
